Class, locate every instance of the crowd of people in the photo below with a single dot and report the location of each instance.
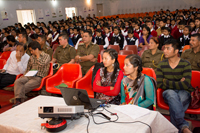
(165, 34)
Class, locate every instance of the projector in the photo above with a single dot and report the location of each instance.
(64, 112)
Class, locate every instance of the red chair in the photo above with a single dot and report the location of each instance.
(116, 47)
(125, 52)
(149, 72)
(121, 59)
(2, 63)
(5, 55)
(86, 83)
(145, 47)
(100, 48)
(195, 81)
(99, 58)
(141, 52)
(43, 82)
(186, 47)
(55, 46)
(68, 74)
(131, 47)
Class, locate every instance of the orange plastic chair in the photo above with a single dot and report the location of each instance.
(68, 74)
(86, 83)
(121, 59)
(5, 55)
(195, 81)
(2, 63)
(131, 47)
(125, 52)
(99, 58)
(43, 82)
(116, 47)
(186, 47)
(149, 72)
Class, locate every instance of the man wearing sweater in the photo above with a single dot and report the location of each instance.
(174, 76)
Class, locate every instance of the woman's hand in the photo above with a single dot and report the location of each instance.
(111, 88)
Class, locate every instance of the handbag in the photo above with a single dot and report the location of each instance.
(195, 101)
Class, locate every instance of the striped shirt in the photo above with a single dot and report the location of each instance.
(172, 77)
(41, 64)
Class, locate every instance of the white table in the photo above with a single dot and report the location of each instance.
(24, 119)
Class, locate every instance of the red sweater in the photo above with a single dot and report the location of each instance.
(154, 33)
(106, 89)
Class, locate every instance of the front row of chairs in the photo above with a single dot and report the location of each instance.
(71, 75)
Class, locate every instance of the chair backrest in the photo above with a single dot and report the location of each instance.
(2, 63)
(69, 72)
(125, 52)
(100, 48)
(141, 52)
(149, 72)
(55, 46)
(5, 55)
(116, 47)
(131, 47)
(121, 59)
(186, 47)
(145, 47)
(195, 81)
(99, 58)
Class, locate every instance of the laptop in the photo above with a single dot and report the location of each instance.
(73, 96)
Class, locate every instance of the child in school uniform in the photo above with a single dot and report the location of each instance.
(101, 39)
(165, 37)
(173, 26)
(117, 38)
(185, 38)
(138, 29)
(131, 39)
(76, 36)
(108, 33)
(179, 31)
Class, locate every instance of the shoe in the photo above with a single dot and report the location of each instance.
(16, 104)
(12, 100)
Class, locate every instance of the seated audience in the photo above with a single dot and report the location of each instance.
(87, 52)
(101, 39)
(150, 25)
(64, 53)
(42, 41)
(117, 38)
(144, 39)
(108, 78)
(39, 61)
(76, 36)
(131, 39)
(152, 56)
(174, 77)
(16, 64)
(166, 35)
(12, 44)
(193, 55)
(136, 88)
(185, 38)
(54, 36)
(179, 31)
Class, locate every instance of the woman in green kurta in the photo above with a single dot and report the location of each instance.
(136, 88)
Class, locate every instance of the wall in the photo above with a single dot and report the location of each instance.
(111, 7)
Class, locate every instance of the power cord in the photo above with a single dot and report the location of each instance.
(108, 118)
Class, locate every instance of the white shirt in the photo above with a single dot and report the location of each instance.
(124, 33)
(55, 38)
(80, 39)
(14, 67)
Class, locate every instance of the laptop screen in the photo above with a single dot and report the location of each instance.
(73, 96)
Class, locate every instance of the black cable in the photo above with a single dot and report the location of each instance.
(88, 123)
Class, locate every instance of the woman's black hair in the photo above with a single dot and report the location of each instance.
(114, 55)
(148, 29)
(136, 61)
